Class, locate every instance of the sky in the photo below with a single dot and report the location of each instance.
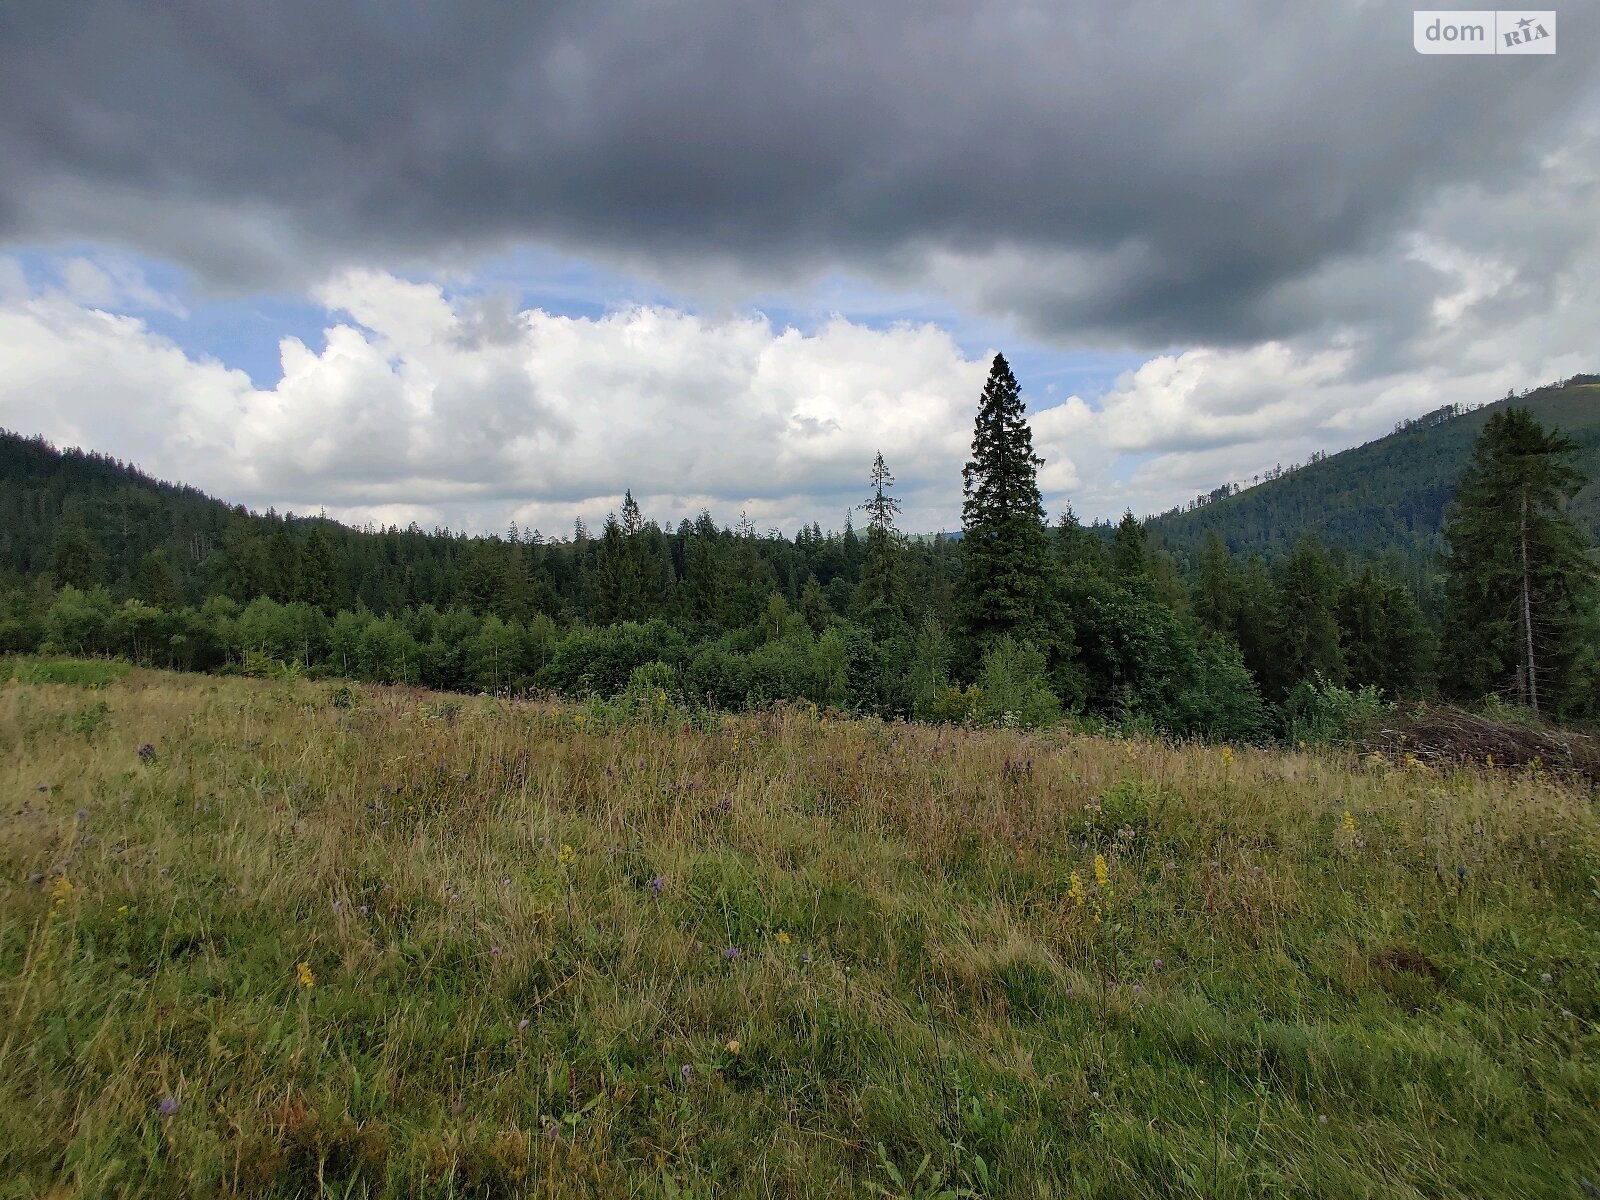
(481, 262)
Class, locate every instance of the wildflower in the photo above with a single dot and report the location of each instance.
(1137, 990)
(1227, 756)
(122, 911)
(1322, 1118)
(167, 1106)
(82, 814)
(1544, 977)
(567, 855)
(783, 938)
(1102, 874)
(522, 1024)
(579, 720)
(1461, 872)
(1158, 964)
(302, 973)
(1488, 760)
(362, 910)
(1566, 1014)
(1075, 890)
(61, 890)
(656, 885)
(147, 753)
(731, 953)
(805, 958)
(686, 1070)
(505, 881)
(734, 1047)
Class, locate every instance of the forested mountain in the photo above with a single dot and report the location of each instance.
(1388, 495)
(1231, 621)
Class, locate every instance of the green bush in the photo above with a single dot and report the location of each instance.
(1319, 712)
(1014, 688)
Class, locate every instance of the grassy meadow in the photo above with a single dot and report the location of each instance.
(289, 938)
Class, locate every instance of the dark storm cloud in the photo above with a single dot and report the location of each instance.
(1161, 172)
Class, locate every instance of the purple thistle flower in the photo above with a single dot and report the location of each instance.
(522, 1024)
(168, 1106)
(686, 1070)
(805, 958)
(657, 884)
(338, 905)
(1137, 990)
(731, 953)
(1158, 964)
(362, 910)
(1322, 1119)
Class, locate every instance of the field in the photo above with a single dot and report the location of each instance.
(289, 938)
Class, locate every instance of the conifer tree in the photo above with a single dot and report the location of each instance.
(1216, 588)
(75, 559)
(1382, 633)
(879, 601)
(814, 605)
(1006, 590)
(318, 586)
(156, 586)
(1078, 548)
(1129, 558)
(1305, 626)
(1520, 583)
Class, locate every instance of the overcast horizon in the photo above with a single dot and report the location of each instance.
(475, 265)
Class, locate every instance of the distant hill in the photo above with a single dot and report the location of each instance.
(1390, 495)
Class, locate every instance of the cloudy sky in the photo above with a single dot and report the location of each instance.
(484, 260)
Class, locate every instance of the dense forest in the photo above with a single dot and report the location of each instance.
(1444, 560)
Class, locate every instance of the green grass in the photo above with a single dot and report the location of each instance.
(912, 970)
(77, 672)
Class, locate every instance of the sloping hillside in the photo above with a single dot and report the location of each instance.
(1388, 495)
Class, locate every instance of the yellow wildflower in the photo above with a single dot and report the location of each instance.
(1227, 756)
(1075, 890)
(1488, 760)
(783, 938)
(122, 911)
(61, 890)
(1347, 822)
(734, 1047)
(579, 720)
(567, 855)
(1102, 874)
(302, 973)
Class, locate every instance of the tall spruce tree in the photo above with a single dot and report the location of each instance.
(1305, 627)
(1520, 582)
(1006, 590)
(879, 602)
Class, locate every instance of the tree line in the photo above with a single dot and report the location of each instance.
(1020, 620)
